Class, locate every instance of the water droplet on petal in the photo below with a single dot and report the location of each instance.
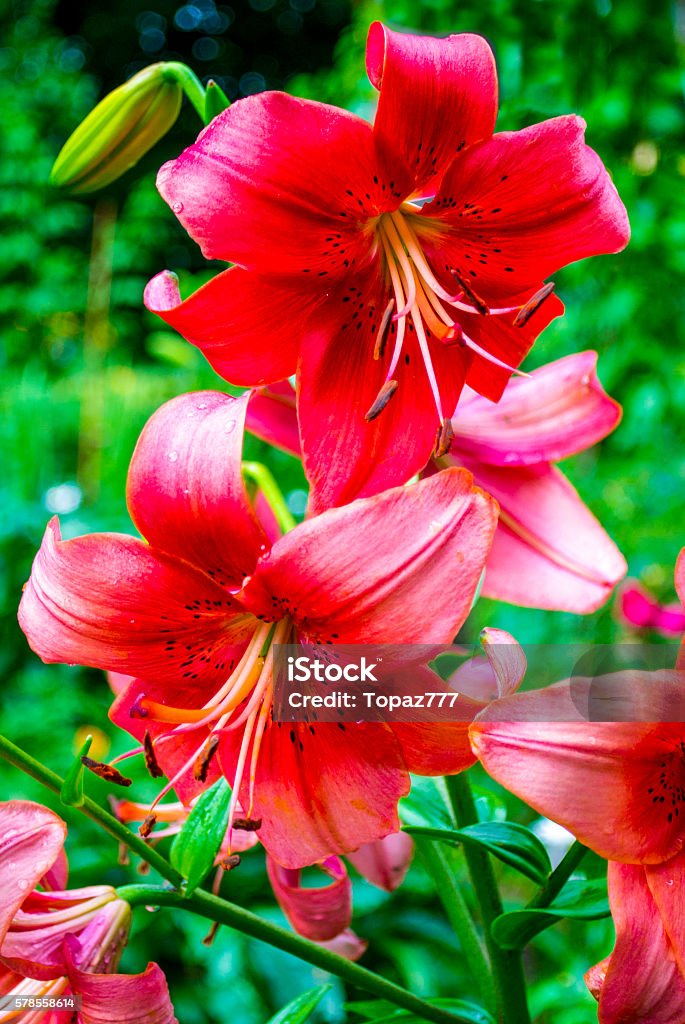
(202, 405)
(177, 207)
(23, 884)
(669, 881)
(172, 456)
(230, 427)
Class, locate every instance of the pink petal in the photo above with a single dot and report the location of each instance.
(31, 839)
(347, 944)
(506, 658)
(318, 913)
(385, 862)
(186, 492)
(549, 550)
(667, 885)
(271, 416)
(436, 96)
(280, 185)
(541, 198)
(248, 329)
(638, 608)
(345, 577)
(438, 748)
(680, 576)
(120, 998)
(560, 410)
(110, 601)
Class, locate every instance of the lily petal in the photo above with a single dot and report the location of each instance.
(317, 913)
(385, 862)
(31, 839)
(121, 998)
(272, 416)
(186, 492)
(506, 658)
(667, 885)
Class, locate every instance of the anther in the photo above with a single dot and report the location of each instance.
(532, 306)
(247, 824)
(147, 826)
(443, 438)
(151, 762)
(105, 771)
(382, 399)
(472, 296)
(382, 336)
(228, 863)
(201, 766)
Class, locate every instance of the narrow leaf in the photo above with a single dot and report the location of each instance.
(195, 847)
(581, 899)
(511, 843)
(301, 1008)
(382, 1012)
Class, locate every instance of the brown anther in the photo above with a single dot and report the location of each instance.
(247, 824)
(209, 937)
(151, 762)
(143, 868)
(443, 439)
(204, 758)
(472, 296)
(105, 771)
(382, 399)
(532, 306)
(230, 862)
(123, 857)
(382, 336)
(147, 826)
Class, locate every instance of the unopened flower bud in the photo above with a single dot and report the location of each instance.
(120, 130)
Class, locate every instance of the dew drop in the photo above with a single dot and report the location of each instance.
(177, 207)
(510, 457)
(202, 405)
(23, 884)
(230, 427)
(172, 456)
(669, 881)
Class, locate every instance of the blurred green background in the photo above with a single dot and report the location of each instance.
(83, 366)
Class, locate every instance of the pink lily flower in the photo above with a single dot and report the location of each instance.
(405, 258)
(193, 615)
(57, 942)
(549, 550)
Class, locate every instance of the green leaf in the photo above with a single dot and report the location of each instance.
(300, 1009)
(426, 804)
(513, 844)
(382, 1012)
(581, 899)
(71, 793)
(197, 844)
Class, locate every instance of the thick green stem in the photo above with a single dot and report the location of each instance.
(458, 915)
(216, 909)
(559, 877)
(507, 967)
(20, 759)
(191, 84)
(272, 492)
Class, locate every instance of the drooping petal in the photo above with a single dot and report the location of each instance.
(527, 203)
(344, 576)
(279, 185)
(436, 97)
(248, 329)
(124, 998)
(31, 838)
(549, 550)
(318, 913)
(667, 885)
(680, 576)
(639, 609)
(322, 789)
(600, 780)
(110, 601)
(385, 862)
(560, 410)
(507, 659)
(347, 944)
(438, 748)
(272, 416)
(641, 983)
(186, 492)
(345, 456)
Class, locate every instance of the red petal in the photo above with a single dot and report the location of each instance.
(186, 492)
(31, 839)
(346, 457)
(279, 185)
(436, 96)
(560, 410)
(549, 550)
(318, 913)
(385, 862)
(109, 601)
(271, 416)
(442, 748)
(322, 789)
(667, 886)
(345, 576)
(121, 998)
(527, 204)
(248, 329)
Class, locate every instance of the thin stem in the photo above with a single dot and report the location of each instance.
(20, 759)
(458, 915)
(506, 963)
(216, 909)
(559, 877)
(191, 84)
(272, 492)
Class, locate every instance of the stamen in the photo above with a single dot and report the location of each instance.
(405, 266)
(533, 304)
(492, 359)
(150, 758)
(201, 766)
(425, 352)
(381, 400)
(471, 295)
(247, 824)
(147, 826)
(105, 771)
(419, 260)
(382, 336)
(443, 438)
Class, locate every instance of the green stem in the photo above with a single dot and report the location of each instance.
(20, 759)
(506, 963)
(217, 909)
(458, 915)
(559, 877)
(191, 84)
(272, 492)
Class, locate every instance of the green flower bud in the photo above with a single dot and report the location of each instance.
(120, 130)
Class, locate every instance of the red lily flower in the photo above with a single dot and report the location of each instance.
(57, 942)
(549, 550)
(344, 277)
(193, 616)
